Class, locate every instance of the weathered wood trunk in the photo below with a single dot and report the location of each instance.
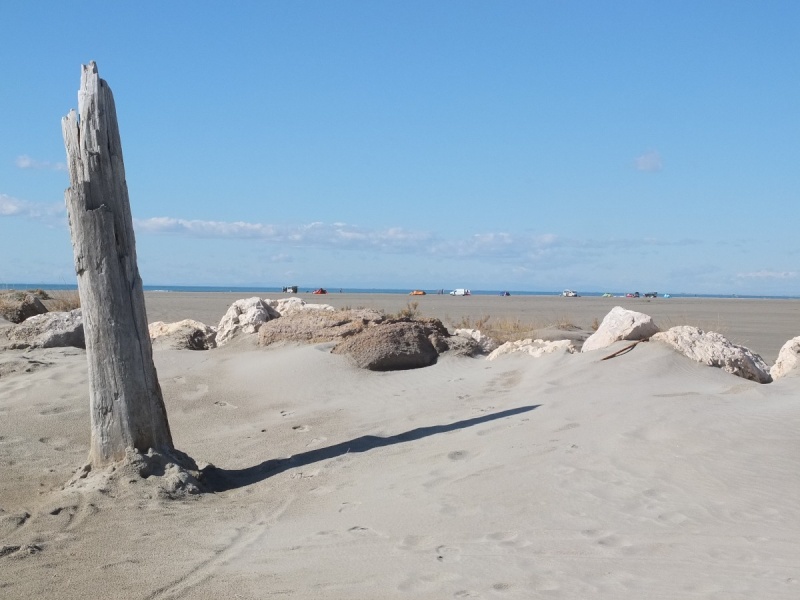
(127, 408)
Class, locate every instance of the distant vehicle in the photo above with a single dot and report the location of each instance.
(290, 289)
(651, 295)
(418, 293)
(320, 291)
(632, 295)
(569, 294)
(608, 295)
(461, 292)
(504, 294)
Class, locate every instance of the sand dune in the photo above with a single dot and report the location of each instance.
(644, 476)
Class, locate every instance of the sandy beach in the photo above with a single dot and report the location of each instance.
(560, 477)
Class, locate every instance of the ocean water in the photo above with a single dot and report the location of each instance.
(404, 291)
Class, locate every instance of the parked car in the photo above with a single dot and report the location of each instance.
(320, 291)
(569, 294)
(417, 293)
(461, 292)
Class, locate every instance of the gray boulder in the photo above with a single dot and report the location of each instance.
(390, 347)
(50, 330)
(714, 350)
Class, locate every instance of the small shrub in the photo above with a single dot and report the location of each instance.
(410, 311)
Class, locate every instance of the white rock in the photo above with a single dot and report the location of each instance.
(788, 359)
(486, 343)
(715, 350)
(289, 306)
(187, 334)
(244, 316)
(535, 348)
(620, 324)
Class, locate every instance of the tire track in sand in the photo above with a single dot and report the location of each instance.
(246, 536)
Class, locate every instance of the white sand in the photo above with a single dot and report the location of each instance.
(645, 476)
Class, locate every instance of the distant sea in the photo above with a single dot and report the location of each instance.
(405, 291)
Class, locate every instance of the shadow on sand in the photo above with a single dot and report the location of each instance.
(220, 480)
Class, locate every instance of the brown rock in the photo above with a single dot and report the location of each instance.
(390, 347)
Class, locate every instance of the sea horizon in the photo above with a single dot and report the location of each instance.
(403, 291)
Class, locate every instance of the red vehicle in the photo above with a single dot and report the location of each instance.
(320, 291)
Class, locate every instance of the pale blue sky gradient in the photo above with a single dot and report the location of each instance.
(600, 146)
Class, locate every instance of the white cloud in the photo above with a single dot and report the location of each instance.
(766, 274)
(26, 162)
(14, 207)
(649, 162)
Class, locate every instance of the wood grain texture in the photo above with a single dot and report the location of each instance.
(127, 407)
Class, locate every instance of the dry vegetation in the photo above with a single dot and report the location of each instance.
(64, 301)
(511, 329)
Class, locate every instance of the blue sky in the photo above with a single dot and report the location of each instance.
(536, 145)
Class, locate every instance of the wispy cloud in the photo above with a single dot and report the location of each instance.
(649, 162)
(14, 207)
(339, 235)
(767, 274)
(26, 162)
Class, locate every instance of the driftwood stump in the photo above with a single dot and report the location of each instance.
(127, 408)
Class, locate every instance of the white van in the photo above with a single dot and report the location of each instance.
(460, 292)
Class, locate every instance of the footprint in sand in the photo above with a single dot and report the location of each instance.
(458, 455)
(567, 427)
(223, 404)
(448, 554)
(301, 428)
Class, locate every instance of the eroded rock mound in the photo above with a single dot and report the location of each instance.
(49, 330)
(390, 347)
(788, 359)
(620, 324)
(244, 316)
(715, 350)
(183, 335)
(16, 308)
(535, 348)
(315, 326)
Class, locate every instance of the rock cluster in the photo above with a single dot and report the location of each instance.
(377, 342)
